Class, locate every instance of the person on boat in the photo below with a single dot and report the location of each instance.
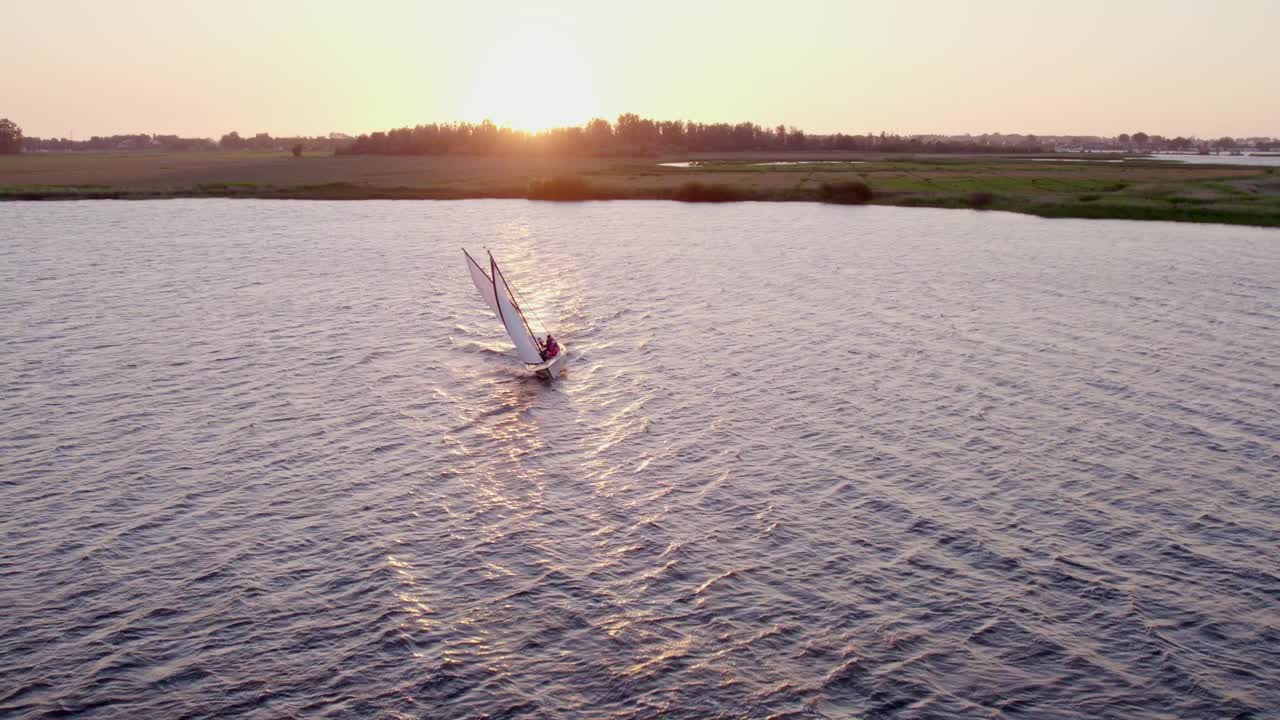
(550, 348)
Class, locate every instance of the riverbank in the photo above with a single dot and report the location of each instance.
(1077, 186)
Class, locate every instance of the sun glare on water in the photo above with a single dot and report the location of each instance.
(532, 80)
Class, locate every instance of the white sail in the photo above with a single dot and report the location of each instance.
(483, 283)
(526, 346)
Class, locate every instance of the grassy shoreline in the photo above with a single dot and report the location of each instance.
(1134, 190)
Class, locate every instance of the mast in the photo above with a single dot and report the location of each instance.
(493, 278)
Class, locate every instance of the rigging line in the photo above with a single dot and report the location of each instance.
(531, 310)
(525, 320)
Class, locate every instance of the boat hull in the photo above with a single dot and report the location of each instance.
(550, 370)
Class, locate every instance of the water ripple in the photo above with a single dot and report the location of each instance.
(273, 459)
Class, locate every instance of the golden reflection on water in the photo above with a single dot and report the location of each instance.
(495, 450)
(489, 451)
(549, 294)
(410, 601)
(673, 650)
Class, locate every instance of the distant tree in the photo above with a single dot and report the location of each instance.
(599, 133)
(484, 137)
(1123, 138)
(1140, 139)
(232, 141)
(671, 133)
(1180, 143)
(10, 137)
(297, 150)
(628, 129)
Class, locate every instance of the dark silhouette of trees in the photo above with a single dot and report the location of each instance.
(263, 142)
(10, 137)
(114, 143)
(1160, 143)
(671, 134)
(173, 143)
(599, 134)
(636, 135)
(630, 135)
(633, 135)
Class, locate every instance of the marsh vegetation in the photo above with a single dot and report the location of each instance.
(1140, 190)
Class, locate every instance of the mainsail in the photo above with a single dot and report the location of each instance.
(497, 295)
(513, 319)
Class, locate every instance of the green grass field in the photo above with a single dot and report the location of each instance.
(1140, 190)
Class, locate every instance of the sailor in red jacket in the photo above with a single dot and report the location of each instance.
(550, 348)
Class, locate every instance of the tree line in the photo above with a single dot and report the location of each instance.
(629, 135)
(634, 135)
(102, 143)
(1143, 142)
(265, 142)
(10, 137)
(170, 143)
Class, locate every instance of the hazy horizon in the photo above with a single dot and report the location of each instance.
(915, 68)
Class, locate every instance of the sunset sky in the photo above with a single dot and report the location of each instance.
(196, 68)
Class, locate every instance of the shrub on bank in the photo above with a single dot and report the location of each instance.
(564, 187)
(980, 200)
(699, 192)
(852, 192)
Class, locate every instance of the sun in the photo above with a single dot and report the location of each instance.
(534, 79)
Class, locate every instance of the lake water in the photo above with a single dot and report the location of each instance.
(1265, 160)
(1268, 160)
(276, 459)
(705, 163)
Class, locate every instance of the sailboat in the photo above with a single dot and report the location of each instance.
(543, 358)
